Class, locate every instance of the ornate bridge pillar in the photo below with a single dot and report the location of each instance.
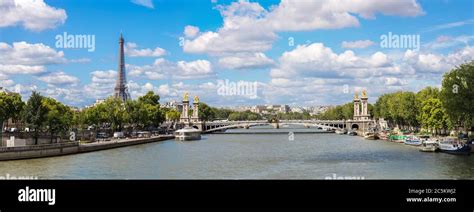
(185, 113)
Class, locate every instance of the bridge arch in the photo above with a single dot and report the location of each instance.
(355, 126)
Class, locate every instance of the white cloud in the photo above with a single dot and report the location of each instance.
(437, 63)
(246, 61)
(191, 31)
(359, 44)
(248, 27)
(21, 69)
(145, 3)
(23, 53)
(193, 69)
(317, 60)
(106, 77)
(243, 31)
(33, 15)
(6, 82)
(393, 81)
(59, 78)
(101, 86)
(132, 51)
(164, 69)
(26, 58)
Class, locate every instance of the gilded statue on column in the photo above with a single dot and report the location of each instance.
(186, 97)
(196, 99)
(364, 93)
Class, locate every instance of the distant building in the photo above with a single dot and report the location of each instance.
(270, 109)
(173, 105)
(97, 101)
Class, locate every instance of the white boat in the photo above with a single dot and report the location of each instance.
(413, 140)
(429, 145)
(341, 131)
(451, 146)
(187, 134)
(352, 132)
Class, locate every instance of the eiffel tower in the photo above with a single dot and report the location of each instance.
(121, 90)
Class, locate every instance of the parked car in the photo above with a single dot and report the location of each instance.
(119, 135)
(102, 136)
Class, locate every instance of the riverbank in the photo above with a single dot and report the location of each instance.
(61, 149)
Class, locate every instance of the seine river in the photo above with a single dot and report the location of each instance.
(252, 156)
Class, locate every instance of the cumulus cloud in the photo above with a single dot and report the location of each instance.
(26, 58)
(33, 15)
(132, 51)
(102, 84)
(164, 69)
(437, 63)
(248, 27)
(246, 61)
(23, 53)
(187, 70)
(191, 31)
(359, 44)
(59, 78)
(317, 60)
(21, 69)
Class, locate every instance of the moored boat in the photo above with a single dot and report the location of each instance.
(430, 145)
(383, 135)
(452, 146)
(471, 144)
(352, 132)
(397, 138)
(371, 136)
(341, 131)
(412, 140)
(187, 134)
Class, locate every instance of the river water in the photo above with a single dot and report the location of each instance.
(252, 156)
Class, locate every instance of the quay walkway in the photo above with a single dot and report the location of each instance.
(68, 148)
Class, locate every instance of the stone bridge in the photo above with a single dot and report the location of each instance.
(215, 126)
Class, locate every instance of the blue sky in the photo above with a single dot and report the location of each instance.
(178, 46)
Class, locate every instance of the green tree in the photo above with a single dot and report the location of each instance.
(206, 113)
(457, 95)
(58, 117)
(116, 113)
(433, 115)
(11, 106)
(150, 98)
(173, 115)
(35, 114)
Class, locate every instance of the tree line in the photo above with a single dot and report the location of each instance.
(45, 114)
